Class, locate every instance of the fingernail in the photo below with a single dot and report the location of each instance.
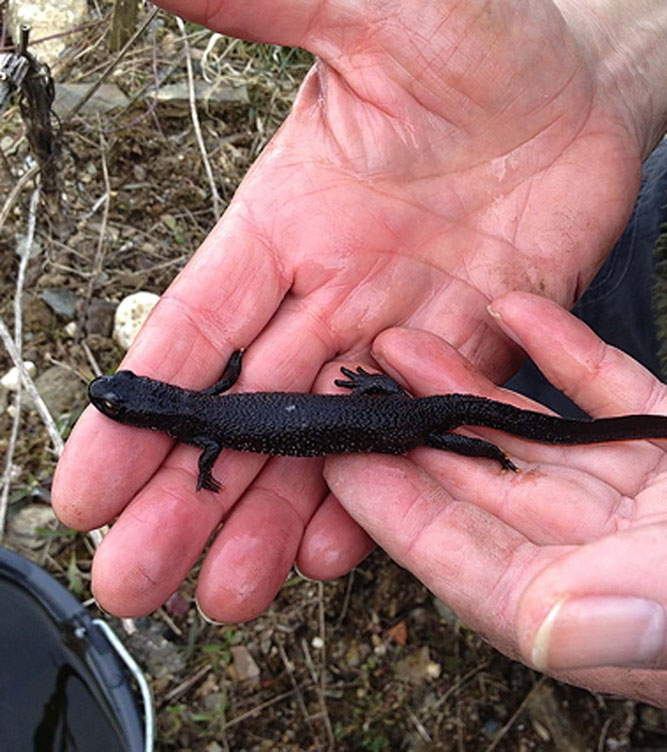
(503, 324)
(206, 618)
(493, 313)
(600, 631)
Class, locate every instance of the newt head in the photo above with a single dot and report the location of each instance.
(135, 400)
(113, 395)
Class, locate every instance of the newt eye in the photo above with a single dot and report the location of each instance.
(109, 407)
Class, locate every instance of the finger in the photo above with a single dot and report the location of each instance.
(601, 379)
(90, 486)
(470, 559)
(278, 23)
(149, 550)
(252, 555)
(333, 543)
(549, 503)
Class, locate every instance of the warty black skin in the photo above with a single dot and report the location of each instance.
(377, 417)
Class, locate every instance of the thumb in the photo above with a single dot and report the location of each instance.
(288, 23)
(602, 604)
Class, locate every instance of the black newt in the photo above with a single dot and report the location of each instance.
(379, 416)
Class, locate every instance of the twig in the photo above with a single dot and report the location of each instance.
(59, 35)
(346, 602)
(29, 386)
(499, 736)
(421, 729)
(318, 683)
(18, 339)
(261, 706)
(217, 201)
(297, 689)
(323, 666)
(459, 683)
(100, 250)
(16, 192)
(94, 365)
(180, 689)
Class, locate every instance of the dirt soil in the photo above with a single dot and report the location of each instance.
(369, 662)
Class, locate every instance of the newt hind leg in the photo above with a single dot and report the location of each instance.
(229, 376)
(211, 451)
(362, 382)
(469, 447)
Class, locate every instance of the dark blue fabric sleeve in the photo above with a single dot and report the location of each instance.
(618, 303)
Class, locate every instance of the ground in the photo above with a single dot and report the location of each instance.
(369, 662)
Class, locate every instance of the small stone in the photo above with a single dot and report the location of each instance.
(100, 317)
(160, 657)
(106, 98)
(178, 95)
(60, 389)
(131, 314)
(398, 633)
(25, 526)
(71, 329)
(417, 667)
(22, 247)
(317, 643)
(245, 667)
(61, 301)
(12, 378)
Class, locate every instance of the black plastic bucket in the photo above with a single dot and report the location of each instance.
(64, 678)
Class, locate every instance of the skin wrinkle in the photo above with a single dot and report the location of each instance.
(534, 282)
(379, 264)
(440, 503)
(618, 520)
(654, 401)
(453, 49)
(437, 213)
(209, 324)
(282, 277)
(427, 261)
(412, 77)
(146, 577)
(276, 497)
(195, 319)
(507, 592)
(166, 489)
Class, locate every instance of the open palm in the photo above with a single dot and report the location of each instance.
(438, 154)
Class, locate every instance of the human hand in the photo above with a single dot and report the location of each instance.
(562, 565)
(437, 156)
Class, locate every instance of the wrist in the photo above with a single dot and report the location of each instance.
(625, 44)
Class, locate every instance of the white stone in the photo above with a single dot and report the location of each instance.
(12, 378)
(46, 18)
(130, 315)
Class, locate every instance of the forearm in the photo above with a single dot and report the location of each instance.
(626, 41)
